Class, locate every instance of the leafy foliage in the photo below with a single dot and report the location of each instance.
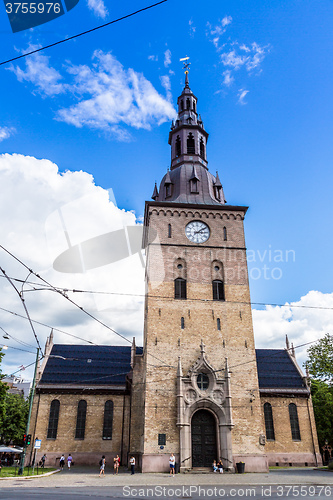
(322, 400)
(13, 414)
(320, 362)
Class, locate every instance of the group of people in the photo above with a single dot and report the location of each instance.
(69, 461)
(116, 464)
(218, 466)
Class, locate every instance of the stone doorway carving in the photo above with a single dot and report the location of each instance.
(203, 432)
(201, 389)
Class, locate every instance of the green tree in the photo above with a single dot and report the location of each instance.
(320, 362)
(15, 421)
(322, 400)
(3, 392)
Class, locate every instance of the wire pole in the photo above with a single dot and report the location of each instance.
(32, 393)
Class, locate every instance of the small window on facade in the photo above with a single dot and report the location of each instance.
(202, 148)
(225, 234)
(194, 186)
(188, 104)
(269, 424)
(169, 230)
(81, 419)
(53, 419)
(162, 439)
(180, 288)
(180, 266)
(190, 144)
(203, 381)
(294, 424)
(181, 105)
(194, 106)
(218, 290)
(182, 323)
(178, 146)
(108, 420)
(218, 323)
(167, 190)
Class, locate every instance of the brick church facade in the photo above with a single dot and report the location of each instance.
(197, 388)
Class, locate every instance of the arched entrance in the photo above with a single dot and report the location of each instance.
(203, 429)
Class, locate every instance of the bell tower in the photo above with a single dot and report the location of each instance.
(196, 385)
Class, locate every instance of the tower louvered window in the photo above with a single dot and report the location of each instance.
(188, 104)
(202, 148)
(178, 146)
(180, 288)
(269, 424)
(81, 419)
(190, 144)
(53, 419)
(294, 424)
(108, 420)
(218, 290)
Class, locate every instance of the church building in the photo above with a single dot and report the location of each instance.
(197, 387)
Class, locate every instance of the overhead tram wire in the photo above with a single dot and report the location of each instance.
(165, 297)
(71, 301)
(82, 33)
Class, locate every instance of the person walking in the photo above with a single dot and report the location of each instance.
(132, 462)
(172, 461)
(62, 462)
(116, 463)
(42, 461)
(69, 461)
(102, 466)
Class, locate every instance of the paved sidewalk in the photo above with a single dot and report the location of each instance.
(89, 477)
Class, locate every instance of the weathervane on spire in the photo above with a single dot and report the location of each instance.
(186, 66)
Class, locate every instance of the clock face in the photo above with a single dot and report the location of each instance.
(197, 232)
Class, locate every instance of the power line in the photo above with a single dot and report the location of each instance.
(83, 32)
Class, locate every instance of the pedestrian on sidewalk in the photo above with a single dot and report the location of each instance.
(132, 462)
(102, 466)
(62, 461)
(69, 461)
(172, 461)
(116, 463)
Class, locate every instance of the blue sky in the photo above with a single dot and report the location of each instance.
(102, 104)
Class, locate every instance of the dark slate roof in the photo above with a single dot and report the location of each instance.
(108, 365)
(181, 193)
(277, 371)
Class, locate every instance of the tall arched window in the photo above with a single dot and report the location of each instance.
(169, 231)
(190, 144)
(182, 323)
(180, 288)
(202, 148)
(53, 419)
(225, 234)
(269, 424)
(81, 419)
(108, 420)
(181, 105)
(294, 424)
(188, 103)
(178, 146)
(218, 323)
(218, 290)
(194, 106)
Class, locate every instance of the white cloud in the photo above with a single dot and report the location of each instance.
(241, 96)
(107, 96)
(39, 72)
(215, 32)
(6, 132)
(192, 28)
(304, 323)
(117, 96)
(34, 193)
(153, 58)
(165, 81)
(233, 60)
(167, 58)
(98, 8)
(228, 79)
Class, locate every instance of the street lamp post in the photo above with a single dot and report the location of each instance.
(32, 393)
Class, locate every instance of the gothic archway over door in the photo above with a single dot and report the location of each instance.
(203, 439)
